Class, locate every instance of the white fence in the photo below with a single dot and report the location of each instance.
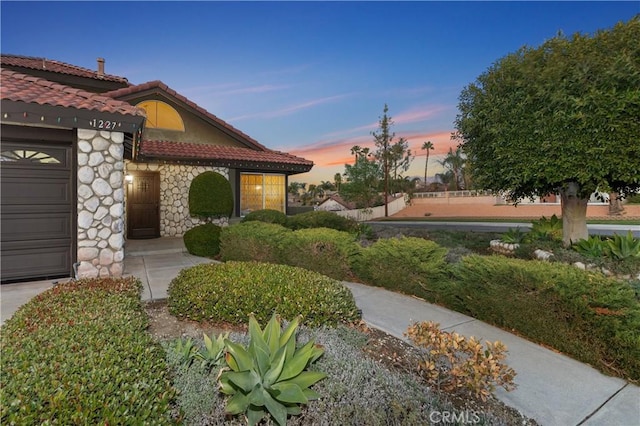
(362, 215)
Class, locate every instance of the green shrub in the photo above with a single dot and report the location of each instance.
(408, 264)
(322, 219)
(266, 215)
(79, 353)
(229, 292)
(210, 196)
(256, 241)
(586, 315)
(203, 240)
(323, 250)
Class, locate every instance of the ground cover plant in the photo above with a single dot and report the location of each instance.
(229, 292)
(79, 353)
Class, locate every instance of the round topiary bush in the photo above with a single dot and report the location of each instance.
(266, 215)
(203, 240)
(210, 196)
(229, 292)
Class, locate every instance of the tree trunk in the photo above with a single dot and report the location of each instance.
(615, 204)
(574, 215)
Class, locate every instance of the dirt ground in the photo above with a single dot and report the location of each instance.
(422, 208)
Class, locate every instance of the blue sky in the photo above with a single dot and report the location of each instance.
(309, 78)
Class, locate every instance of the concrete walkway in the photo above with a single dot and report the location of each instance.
(553, 389)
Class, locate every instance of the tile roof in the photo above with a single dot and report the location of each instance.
(156, 84)
(56, 67)
(25, 88)
(185, 150)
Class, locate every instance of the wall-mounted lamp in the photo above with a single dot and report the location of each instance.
(129, 178)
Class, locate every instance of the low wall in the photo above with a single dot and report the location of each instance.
(362, 215)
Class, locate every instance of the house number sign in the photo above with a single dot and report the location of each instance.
(104, 124)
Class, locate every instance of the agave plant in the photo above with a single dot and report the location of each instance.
(622, 247)
(513, 236)
(546, 229)
(186, 350)
(593, 246)
(212, 355)
(269, 377)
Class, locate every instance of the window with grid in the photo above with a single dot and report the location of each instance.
(262, 191)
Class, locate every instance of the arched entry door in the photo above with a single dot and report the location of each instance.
(143, 205)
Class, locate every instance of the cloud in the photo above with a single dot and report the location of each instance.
(291, 109)
(235, 89)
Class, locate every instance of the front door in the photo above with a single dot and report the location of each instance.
(143, 205)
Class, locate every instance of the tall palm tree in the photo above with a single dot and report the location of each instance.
(428, 146)
(454, 163)
(337, 180)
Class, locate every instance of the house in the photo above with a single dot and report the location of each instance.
(89, 160)
(334, 203)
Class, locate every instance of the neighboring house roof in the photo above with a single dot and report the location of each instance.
(338, 199)
(43, 64)
(33, 90)
(223, 155)
(157, 86)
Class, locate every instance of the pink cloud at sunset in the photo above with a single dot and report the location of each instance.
(329, 157)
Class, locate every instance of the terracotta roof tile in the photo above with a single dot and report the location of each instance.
(156, 84)
(24, 88)
(185, 150)
(56, 67)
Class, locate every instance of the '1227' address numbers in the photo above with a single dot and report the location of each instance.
(104, 124)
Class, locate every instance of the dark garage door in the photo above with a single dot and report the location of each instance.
(38, 205)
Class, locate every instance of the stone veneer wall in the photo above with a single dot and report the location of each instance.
(175, 180)
(100, 203)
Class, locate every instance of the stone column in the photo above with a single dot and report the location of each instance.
(100, 203)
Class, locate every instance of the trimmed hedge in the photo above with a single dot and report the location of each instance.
(210, 196)
(203, 240)
(229, 292)
(256, 241)
(267, 216)
(79, 354)
(409, 265)
(586, 315)
(323, 250)
(323, 219)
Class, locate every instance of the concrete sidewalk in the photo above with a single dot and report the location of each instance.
(552, 388)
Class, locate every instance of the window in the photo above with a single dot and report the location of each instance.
(161, 116)
(30, 156)
(262, 191)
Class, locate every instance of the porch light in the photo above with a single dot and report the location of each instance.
(129, 178)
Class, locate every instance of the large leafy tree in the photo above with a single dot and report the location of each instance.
(562, 117)
(362, 179)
